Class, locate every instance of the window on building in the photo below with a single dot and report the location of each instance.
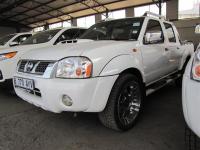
(67, 24)
(139, 11)
(189, 9)
(55, 25)
(38, 29)
(115, 14)
(86, 21)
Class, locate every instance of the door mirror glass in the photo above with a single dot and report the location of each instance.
(154, 33)
(14, 44)
(153, 38)
(197, 29)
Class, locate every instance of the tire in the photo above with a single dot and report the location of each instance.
(191, 140)
(178, 81)
(125, 103)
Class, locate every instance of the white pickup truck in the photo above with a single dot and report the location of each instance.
(118, 64)
(13, 39)
(10, 56)
(191, 101)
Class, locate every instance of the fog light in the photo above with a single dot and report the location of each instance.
(67, 100)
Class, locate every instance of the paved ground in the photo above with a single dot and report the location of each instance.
(25, 127)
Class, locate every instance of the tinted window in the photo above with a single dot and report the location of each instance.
(154, 33)
(170, 32)
(121, 29)
(5, 39)
(41, 37)
(22, 38)
(82, 31)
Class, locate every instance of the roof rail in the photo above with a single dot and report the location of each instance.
(148, 13)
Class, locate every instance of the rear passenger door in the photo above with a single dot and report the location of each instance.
(173, 47)
(155, 58)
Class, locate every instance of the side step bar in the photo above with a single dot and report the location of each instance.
(160, 84)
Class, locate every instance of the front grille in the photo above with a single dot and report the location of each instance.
(42, 66)
(33, 67)
(22, 66)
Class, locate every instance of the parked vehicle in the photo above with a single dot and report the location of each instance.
(190, 98)
(10, 57)
(13, 39)
(118, 64)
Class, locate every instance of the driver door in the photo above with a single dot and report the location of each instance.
(155, 55)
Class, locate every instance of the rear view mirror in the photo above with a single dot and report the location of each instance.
(197, 29)
(152, 38)
(14, 44)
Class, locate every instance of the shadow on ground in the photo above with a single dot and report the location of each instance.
(26, 127)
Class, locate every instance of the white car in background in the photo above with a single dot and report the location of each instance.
(122, 61)
(11, 40)
(10, 56)
(191, 100)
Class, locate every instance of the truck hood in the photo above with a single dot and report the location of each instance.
(81, 48)
(21, 48)
(2, 47)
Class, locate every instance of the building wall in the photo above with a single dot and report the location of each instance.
(6, 30)
(186, 29)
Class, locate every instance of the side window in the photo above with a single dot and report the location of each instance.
(170, 32)
(22, 38)
(154, 33)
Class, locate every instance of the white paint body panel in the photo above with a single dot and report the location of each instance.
(109, 59)
(191, 100)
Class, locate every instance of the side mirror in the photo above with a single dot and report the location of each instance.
(13, 44)
(152, 38)
(197, 29)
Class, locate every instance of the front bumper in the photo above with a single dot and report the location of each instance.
(191, 103)
(88, 95)
(7, 69)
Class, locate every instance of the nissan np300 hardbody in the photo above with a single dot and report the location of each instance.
(108, 73)
(10, 56)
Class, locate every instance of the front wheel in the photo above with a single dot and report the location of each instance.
(124, 104)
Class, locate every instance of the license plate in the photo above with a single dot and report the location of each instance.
(24, 83)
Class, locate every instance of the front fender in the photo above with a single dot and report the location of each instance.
(186, 54)
(120, 63)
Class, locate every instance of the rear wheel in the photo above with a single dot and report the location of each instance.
(124, 105)
(191, 140)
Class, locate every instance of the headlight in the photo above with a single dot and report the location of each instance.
(196, 66)
(7, 56)
(74, 67)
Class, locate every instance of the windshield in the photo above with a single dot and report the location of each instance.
(123, 29)
(41, 37)
(5, 39)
